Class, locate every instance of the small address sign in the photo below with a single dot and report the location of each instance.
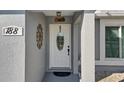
(12, 30)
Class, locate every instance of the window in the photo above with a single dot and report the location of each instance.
(114, 41)
(111, 42)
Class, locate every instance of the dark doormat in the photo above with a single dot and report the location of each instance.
(62, 74)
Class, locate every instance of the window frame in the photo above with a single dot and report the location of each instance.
(103, 24)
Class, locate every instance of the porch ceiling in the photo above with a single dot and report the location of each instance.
(109, 13)
(53, 12)
(64, 12)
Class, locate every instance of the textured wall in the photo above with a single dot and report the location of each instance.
(12, 50)
(35, 58)
(87, 48)
(76, 44)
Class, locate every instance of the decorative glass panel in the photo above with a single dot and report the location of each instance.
(39, 36)
(122, 41)
(112, 42)
(60, 39)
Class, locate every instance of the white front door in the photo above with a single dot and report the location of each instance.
(60, 46)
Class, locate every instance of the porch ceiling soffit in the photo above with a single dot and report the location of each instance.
(109, 13)
(89, 11)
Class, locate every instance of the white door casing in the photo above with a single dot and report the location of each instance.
(60, 58)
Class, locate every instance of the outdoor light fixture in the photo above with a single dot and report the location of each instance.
(59, 18)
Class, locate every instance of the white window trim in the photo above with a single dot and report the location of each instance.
(103, 59)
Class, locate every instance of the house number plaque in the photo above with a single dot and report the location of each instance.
(12, 30)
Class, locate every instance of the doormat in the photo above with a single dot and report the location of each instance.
(62, 74)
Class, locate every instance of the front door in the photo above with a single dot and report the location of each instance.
(60, 46)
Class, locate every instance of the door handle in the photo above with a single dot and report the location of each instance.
(68, 50)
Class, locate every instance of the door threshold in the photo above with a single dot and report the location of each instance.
(59, 69)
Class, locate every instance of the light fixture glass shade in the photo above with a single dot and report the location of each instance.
(59, 18)
(60, 39)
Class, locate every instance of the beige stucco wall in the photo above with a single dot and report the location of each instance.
(87, 47)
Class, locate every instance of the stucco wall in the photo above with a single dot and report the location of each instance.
(12, 49)
(35, 58)
(87, 47)
(76, 37)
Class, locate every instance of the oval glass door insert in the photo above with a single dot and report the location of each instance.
(60, 39)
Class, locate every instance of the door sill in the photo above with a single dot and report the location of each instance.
(59, 69)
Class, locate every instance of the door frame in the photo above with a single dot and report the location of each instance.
(77, 55)
(58, 69)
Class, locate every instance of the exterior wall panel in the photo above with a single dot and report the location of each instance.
(88, 48)
(12, 50)
(35, 58)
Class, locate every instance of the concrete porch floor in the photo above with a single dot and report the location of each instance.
(50, 77)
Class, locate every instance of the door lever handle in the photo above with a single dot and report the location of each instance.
(68, 50)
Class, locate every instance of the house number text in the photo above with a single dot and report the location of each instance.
(12, 30)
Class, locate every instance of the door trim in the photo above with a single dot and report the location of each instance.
(66, 69)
